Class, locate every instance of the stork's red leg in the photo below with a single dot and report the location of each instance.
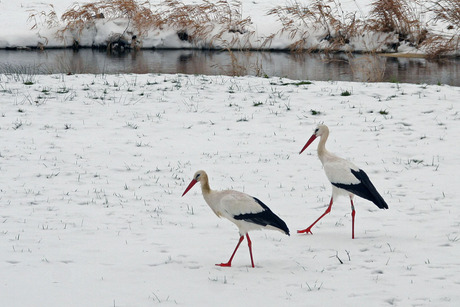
(308, 230)
(250, 249)
(229, 263)
(352, 219)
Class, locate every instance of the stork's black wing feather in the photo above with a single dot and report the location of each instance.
(364, 189)
(264, 218)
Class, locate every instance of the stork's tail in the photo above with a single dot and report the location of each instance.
(265, 218)
(372, 193)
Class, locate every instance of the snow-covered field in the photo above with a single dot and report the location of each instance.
(93, 168)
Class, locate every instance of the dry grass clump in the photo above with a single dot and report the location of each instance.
(325, 17)
(367, 68)
(439, 45)
(80, 17)
(401, 17)
(50, 18)
(240, 65)
(448, 12)
(324, 22)
(209, 22)
(393, 16)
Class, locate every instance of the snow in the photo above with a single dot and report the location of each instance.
(94, 166)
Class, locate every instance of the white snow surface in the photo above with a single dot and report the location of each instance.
(18, 28)
(93, 168)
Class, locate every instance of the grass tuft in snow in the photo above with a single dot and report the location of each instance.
(315, 112)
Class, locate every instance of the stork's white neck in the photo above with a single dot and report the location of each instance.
(205, 188)
(322, 151)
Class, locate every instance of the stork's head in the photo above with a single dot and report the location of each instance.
(198, 176)
(319, 132)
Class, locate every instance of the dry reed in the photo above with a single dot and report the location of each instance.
(203, 24)
(325, 17)
(447, 12)
(320, 25)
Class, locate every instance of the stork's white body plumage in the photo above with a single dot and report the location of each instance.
(345, 177)
(230, 204)
(246, 212)
(338, 170)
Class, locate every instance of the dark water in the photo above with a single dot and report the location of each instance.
(338, 67)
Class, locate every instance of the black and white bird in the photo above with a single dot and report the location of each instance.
(246, 212)
(345, 177)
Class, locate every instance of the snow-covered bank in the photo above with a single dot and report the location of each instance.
(347, 25)
(93, 167)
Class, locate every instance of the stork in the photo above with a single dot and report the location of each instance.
(246, 212)
(345, 177)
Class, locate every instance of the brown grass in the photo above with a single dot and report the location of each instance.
(448, 12)
(49, 19)
(240, 65)
(208, 21)
(79, 17)
(439, 45)
(393, 16)
(324, 16)
(215, 22)
(368, 67)
(401, 17)
(208, 24)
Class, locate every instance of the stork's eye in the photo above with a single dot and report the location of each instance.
(197, 176)
(316, 130)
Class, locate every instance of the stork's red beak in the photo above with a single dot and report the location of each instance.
(312, 138)
(192, 183)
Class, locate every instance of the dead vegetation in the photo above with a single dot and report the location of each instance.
(310, 26)
(323, 25)
(439, 44)
(448, 11)
(398, 16)
(332, 28)
(367, 68)
(202, 25)
(219, 23)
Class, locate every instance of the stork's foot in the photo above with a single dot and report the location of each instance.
(307, 231)
(228, 264)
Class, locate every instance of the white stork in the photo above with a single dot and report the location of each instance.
(345, 177)
(246, 212)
